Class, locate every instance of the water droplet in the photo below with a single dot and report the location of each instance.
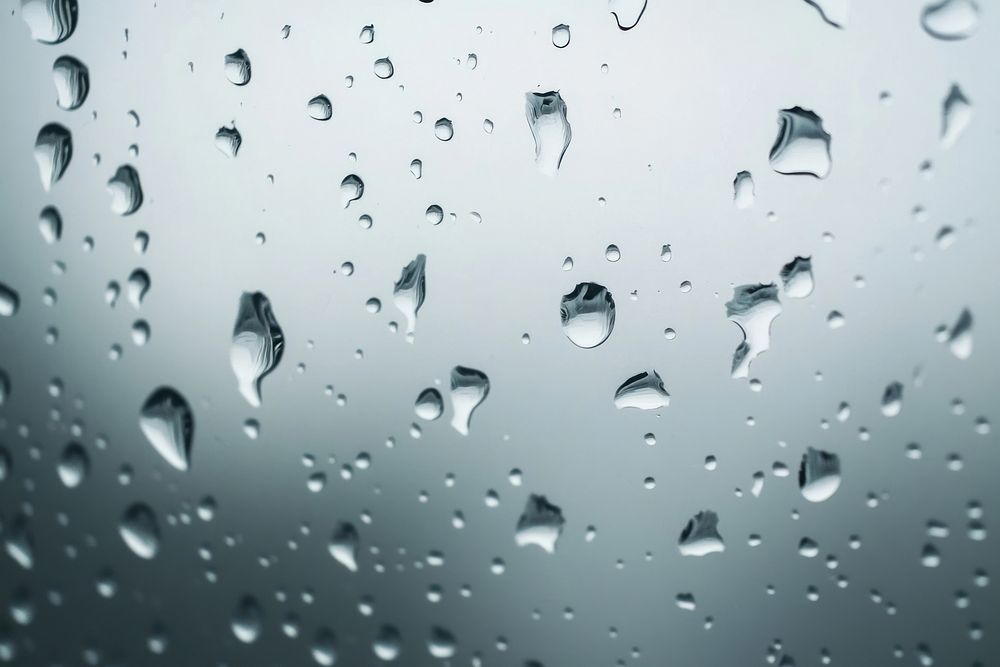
(429, 405)
(956, 114)
(546, 113)
(72, 79)
(892, 399)
(835, 319)
(140, 530)
(834, 12)
(819, 475)
(960, 335)
(247, 620)
(9, 301)
(560, 36)
(443, 129)
(951, 19)
(612, 253)
(324, 647)
(588, 315)
(387, 644)
(627, 12)
(408, 292)
(237, 65)
(228, 140)
(753, 308)
(351, 189)
(367, 34)
(137, 286)
(540, 523)
(344, 546)
(73, 465)
(743, 190)
(53, 152)
(802, 145)
(797, 278)
(50, 224)
(167, 422)
(441, 643)
(644, 391)
(417, 169)
(700, 536)
(19, 542)
(50, 21)
(320, 108)
(930, 556)
(286, 30)
(257, 344)
(383, 68)
(125, 190)
(469, 389)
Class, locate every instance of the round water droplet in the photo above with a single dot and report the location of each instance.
(443, 129)
(560, 36)
(383, 68)
(588, 315)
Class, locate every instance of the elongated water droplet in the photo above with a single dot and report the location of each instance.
(802, 145)
(50, 21)
(9, 301)
(126, 191)
(247, 620)
(417, 169)
(73, 465)
(72, 79)
(469, 389)
(50, 224)
(408, 292)
(237, 65)
(351, 189)
(540, 523)
(383, 68)
(443, 129)
(892, 399)
(560, 36)
(700, 536)
(53, 152)
(588, 315)
(743, 190)
(388, 643)
(627, 12)
(320, 108)
(429, 405)
(137, 287)
(4, 393)
(167, 422)
(797, 278)
(19, 543)
(367, 34)
(819, 475)
(228, 140)
(344, 546)
(753, 308)
(956, 114)
(834, 12)
(257, 344)
(441, 643)
(960, 335)
(140, 530)
(951, 19)
(546, 113)
(644, 391)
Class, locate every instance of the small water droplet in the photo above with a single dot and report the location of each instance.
(956, 115)
(383, 68)
(560, 36)
(443, 129)
(140, 530)
(429, 405)
(228, 140)
(469, 388)
(960, 335)
(247, 620)
(743, 190)
(797, 278)
(125, 190)
(73, 465)
(237, 67)
(892, 399)
(320, 108)
(540, 523)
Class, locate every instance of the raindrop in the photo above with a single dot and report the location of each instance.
(247, 620)
(72, 79)
(137, 286)
(743, 190)
(367, 35)
(167, 422)
(951, 19)
(441, 643)
(644, 391)
(50, 224)
(588, 315)
(753, 308)
(238, 67)
(892, 399)
(320, 108)
(53, 152)
(540, 523)
(797, 278)
(802, 145)
(546, 113)
(351, 189)
(960, 335)
(417, 168)
(73, 465)
(560, 36)
(126, 192)
(469, 389)
(700, 536)
(50, 21)
(956, 114)
(228, 140)
(9, 301)
(140, 530)
(324, 647)
(429, 405)
(408, 292)
(257, 344)
(819, 475)
(344, 546)
(383, 68)
(387, 644)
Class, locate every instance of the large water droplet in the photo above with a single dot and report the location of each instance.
(344, 546)
(797, 278)
(834, 12)
(819, 475)
(257, 344)
(140, 530)
(441, 643)
(50, 224)
(247, 620)
(644, 391)
(320, 108)
(72, 79)
(388, 643)
(960, 335)
(73, 465)
(383, 68)
(743, 190)
(126, 191)
(9, 301)
(753, 308)
(53, 152)
(892, 399)
(588, 315)
(408, 292)
(167, 422)
(228, 140)
(546, 113)
(956, 114)
(540, 523)
(560, 36)
(50, 21)
(237, 66)
(324, 647)
(469, 389)
(802, 145)
(443, 129)
(700, 536)
(429, 405)
(137, 286)
(351, 189)
(627, 12)
(951, 19)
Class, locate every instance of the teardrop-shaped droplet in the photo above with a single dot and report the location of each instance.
(834, 12)
(237, 66)
(540, 523)
(627, 12)
(956, 114)
(140, 530)
(444, 129)
(408, 292)
(429, 405)
(53, 152)
(546, 113)
(320, 108)
(819, 475)
(802, 145)
(951, 19)
(797, 278)
(228, 140)
(72, 79)
(9, 301)
(126, 191)
(73, 465)
(344, 546)
(137, 287)
(351, 189)
(469, 389)
(700, 536)
(644, 391)
(50, 224)
(743, 190)
(588, 315)
(167, 422)
(19, 543)
(892, 399)
(560, 36)
(50, 21)
(257, 344)
(247, 620)
(383, 68)
(753, 309)
(960, 335)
